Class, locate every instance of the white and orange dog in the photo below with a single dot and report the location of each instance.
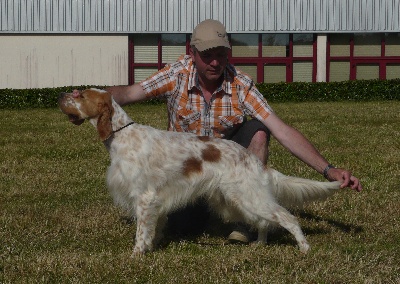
(155, 172)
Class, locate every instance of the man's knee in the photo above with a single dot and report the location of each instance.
(249, 130)
(260, 138)
(259, 145)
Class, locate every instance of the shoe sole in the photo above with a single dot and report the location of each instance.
(237, 237)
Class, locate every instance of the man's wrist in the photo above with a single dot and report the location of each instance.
(325, 172)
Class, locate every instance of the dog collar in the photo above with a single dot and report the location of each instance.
(119, 129)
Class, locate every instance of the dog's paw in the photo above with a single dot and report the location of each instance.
(258, 243)
(137, 254)
(304, 247)
(139, 251)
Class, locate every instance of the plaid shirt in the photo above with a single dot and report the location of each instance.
(188, 111)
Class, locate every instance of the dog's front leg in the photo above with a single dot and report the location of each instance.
(147, 212)
(262, 235)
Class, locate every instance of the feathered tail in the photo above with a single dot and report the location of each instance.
(295, 192)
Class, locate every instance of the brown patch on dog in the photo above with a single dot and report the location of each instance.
(104, 126)
(204, 138)
(192, 165)
(211, 154)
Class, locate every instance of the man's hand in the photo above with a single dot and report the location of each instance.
(345, 177)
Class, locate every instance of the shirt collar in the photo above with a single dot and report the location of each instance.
(226, 86)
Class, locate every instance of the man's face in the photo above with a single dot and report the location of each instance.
(210, 63)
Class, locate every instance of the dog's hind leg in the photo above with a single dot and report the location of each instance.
(147, 213)
(274, 214)
(289, 222)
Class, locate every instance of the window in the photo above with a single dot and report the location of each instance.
(392, 47)
(150, 52)
(303, 52)
(340, 45)
(367, 71)
(244, 45)
(367, 45)
(303, 45)
(264, 57)
(141, 73)
(275, 45)
(393, 71)
(274, 73)
(363, 56)
(279, 57)
(146, 50)
(302, 71)
(339, 71)
(275, 57)
(250, 70)
(172, 47)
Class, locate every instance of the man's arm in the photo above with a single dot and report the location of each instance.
(300, 147)
(124, 95)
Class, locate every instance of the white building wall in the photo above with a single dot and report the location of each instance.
(38, 61)
(181, 16)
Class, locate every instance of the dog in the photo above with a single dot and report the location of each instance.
(154, 172)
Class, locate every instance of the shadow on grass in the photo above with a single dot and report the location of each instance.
(279, 235)
(191, 223)
(344, 227)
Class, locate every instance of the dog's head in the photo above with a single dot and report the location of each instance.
(92, 104)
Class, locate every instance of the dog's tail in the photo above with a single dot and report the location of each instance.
(291, 192)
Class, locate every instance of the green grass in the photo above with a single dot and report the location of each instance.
(58, 223)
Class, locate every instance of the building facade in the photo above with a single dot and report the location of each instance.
(47, 43)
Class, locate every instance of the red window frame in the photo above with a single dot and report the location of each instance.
(381, 60)
(159, 65)
(260, 61)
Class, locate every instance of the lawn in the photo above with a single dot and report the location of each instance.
(58, 223)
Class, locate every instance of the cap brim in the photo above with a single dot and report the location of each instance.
(202, 46)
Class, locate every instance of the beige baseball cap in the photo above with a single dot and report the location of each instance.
(209, 34)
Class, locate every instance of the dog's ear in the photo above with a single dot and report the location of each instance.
(104, 126)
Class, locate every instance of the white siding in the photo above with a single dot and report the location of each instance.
(142, 16)
(55, 61)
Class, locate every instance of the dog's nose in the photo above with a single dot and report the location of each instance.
(61, 97)
(62, 94)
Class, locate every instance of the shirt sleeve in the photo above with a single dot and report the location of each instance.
(256, 104)
(160, 84)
